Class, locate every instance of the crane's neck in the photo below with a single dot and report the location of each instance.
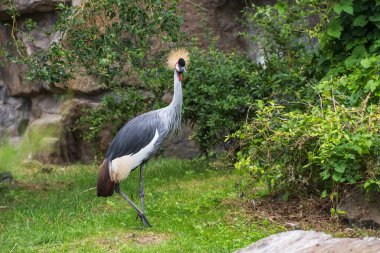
(177, 96)
(173, 110)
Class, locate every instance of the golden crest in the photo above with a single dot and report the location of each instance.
(174, 56)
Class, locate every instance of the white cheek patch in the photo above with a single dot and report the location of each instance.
(121, 167)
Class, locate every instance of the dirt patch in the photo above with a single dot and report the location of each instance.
(145, 239)
(149, 239)
(40, 186)
(310, 213)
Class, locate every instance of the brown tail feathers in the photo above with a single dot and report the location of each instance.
(105, 185)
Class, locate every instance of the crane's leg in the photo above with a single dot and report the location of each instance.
(141, 192)
(139, 213)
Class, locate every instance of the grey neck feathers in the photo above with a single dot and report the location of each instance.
(172, 113)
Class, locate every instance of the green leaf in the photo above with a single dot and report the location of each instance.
(350, 61)
(324, 194)
(325, 174)
(360, 21)
(372, 85)
(356, 42)
(368, 143)
(335, 28)
(340, 167)
(368, 183)
(348, 9)
(341, 212)
(359, 51)
(374, 18)
(281, 8)
(338, 8)
(336, 177)
(366, 63)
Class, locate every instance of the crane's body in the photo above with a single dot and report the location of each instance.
(141, 137)
(137, 141)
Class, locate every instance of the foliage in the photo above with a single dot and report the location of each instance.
(114, 110)
(108, 39)
(217, 93)
(320, 149)
(122, 104)
(286, 34)
(333, 141)
(351, 49)
(352, 85)
(353, 33)
(187, 202)
(118, 42)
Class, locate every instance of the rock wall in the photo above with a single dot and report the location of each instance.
(25, 104)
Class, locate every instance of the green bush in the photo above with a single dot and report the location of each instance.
(320, 149)
(332, 142)
(109, 39)
(286, 36)
(217, 92)
(114, 110)
(350, 49)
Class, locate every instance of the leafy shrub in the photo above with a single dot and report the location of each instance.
(353, 32)
(114, 110)
(217, 94)
(286, 35)
(350, 48)
(323, 148)
(332, 142)
(109, 39)
(221, 86)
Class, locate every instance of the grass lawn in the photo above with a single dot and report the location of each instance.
(190, 205)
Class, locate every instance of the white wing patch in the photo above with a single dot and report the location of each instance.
(121, 167)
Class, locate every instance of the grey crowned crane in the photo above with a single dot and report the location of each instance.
(140, 138)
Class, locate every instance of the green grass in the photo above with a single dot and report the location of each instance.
(192, 208)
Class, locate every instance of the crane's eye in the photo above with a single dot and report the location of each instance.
(181, 62)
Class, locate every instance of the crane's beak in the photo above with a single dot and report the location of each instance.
(180, 70)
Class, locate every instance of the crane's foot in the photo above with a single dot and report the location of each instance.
(144, 219)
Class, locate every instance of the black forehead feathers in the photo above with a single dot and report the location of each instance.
(181, 62)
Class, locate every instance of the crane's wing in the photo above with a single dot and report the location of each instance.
(134, 135)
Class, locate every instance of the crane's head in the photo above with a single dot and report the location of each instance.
(177, 59)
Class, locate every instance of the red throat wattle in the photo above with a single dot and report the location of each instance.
(180, 77)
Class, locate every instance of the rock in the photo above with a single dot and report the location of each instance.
(12, 75)
(299, 241)
(216, 19)
(14, 114)
(293, 226)
(44, 104)
(63, 142)
(73, 147)
(6, 176)
(181, 145)
(38, 38)
(85, 84)
(13, 78)
(362, 209)
(30, 6)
